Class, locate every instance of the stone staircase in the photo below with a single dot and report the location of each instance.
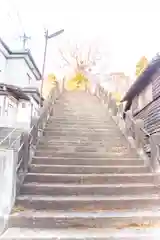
(85, 182)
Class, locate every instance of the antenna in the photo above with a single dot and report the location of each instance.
(24, 40)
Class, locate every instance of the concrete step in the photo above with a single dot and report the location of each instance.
(124, 233)
(50, 153)
(114, 161)
(65, 123)
(53, 126)
(53, 189)
(88, 203)
(87, 140)
(42, 168)
(77, 122)
(65, 113)
(88, 149)
(55, 144)
(80, 128)
(105, 134)
(93, 178)
(81, 220)
(79, 117)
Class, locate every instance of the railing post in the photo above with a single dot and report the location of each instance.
(139, 136)
(129, 123)
(114, 107)
(26, 151)
(155, 151)
(109, 100)
(63, 85)
(106, 98)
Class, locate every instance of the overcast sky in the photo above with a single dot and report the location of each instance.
(125, 29)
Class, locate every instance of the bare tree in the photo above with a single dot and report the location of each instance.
(80, 57)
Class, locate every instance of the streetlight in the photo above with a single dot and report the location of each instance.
(47, 36)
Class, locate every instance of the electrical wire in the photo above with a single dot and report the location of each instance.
(16, 11)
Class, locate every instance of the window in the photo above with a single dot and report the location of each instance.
(23, 105)
(10, 105)
(29, 78)
(6, 112)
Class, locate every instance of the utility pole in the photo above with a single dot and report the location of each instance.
(25, 39)
(47, 37)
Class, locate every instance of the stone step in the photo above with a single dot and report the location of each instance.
(79, 149)
(78, 116)
(42, 168)
(50, 153)
(87, 130)
(86, 122)
(93, 178)
(81, 139)
(80, 220)
(102, 124)
(82, 131)
(54, 144)
(104, 135)
(114, 161)
(88, 203)
(91, 189)
(124, 233)
(80, 128)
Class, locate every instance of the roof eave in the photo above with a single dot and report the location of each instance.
(142, 81)
(23, 54)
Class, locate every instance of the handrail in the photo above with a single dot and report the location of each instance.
(15, 159)
(9, 135)
(148, 143)
(28, 141)
(141, 128)
(15, 140)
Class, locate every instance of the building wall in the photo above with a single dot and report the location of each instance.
(35, 108)
(3, 63)
(151, 116)
(18, 73)
(8, 111)
(24, 111)
(2, 100)
(149, 108)
(16, 113)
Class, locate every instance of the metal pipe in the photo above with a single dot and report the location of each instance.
(43, 66)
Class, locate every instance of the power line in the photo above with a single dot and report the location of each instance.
(16, 12)
(24, 38)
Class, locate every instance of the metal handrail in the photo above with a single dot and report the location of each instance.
(21, 151)
(9, 135)
(12, 144)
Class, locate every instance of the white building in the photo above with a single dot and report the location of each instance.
(18, 68)
(19, 88)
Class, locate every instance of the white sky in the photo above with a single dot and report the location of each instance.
(127, 29)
